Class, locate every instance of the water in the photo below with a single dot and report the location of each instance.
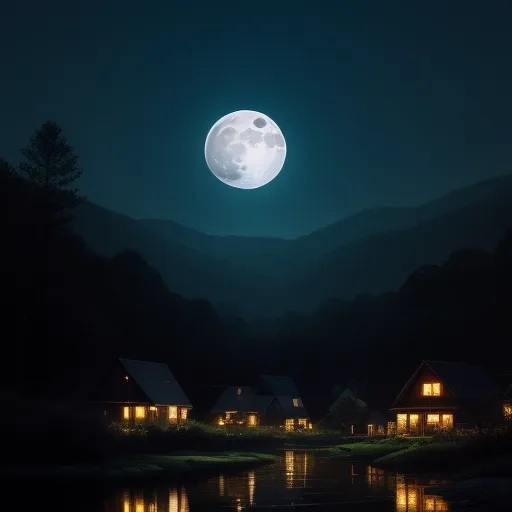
(301, 481)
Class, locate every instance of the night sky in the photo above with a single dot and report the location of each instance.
(381, 103)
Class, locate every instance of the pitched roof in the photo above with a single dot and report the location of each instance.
(289, 409)
(464, 381)
(262, 402)
(270, 388)
(277, 385)
(156, 381)
(347, 394)
(230, 400)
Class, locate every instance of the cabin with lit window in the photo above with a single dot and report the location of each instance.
(280, 404)
(274, 401)
(236, 406)
(140, 392)
(447, 395)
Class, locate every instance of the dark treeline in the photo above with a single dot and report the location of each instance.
(66, 312)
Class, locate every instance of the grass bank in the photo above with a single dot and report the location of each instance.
(139, 467)
(466, 453)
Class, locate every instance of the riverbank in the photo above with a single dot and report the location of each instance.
(479, 465)
(140, 467)
(470, 452)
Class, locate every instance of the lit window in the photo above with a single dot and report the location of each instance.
(173, 413)
(184, 413)
(303, 422)
(432, 419)
(447, 420)
(239, 391)
(126, 413)
(507, 411)
(401, 423)
(432, 389)
(228, 416)
(370, 429)
(251, 420)
(289, 424)
(413, 421)
(140, 412)
(295, 402)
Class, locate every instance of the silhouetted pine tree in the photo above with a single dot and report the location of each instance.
(51, 167)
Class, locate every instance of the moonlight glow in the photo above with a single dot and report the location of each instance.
(245, 149)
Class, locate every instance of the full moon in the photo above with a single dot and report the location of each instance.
(245, 149)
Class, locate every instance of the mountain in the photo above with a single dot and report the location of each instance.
(381, 262)
(369, 252)
(278, 257)
(186, 271)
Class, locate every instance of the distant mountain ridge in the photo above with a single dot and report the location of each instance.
(368, 252)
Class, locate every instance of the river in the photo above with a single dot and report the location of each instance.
(301, 481)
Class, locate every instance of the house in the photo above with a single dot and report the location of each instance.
(237, 406)
(447, 395)
(140, 392)
(347, 412)
(279, 403)
(274, 401)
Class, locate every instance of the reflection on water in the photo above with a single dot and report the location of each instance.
(173, 499)
(299, 479)
(297, 466)
(412, 497)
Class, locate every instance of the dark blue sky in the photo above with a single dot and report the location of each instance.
(381, 102)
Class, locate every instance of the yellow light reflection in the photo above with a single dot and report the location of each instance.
(251, 478)
(410, 497)
(375, 477)
(289, 462)
(139, 504)
(435, 504)
(173, 500)
(184, 507)
(401, 497)
(126, 502)
(222, 485)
